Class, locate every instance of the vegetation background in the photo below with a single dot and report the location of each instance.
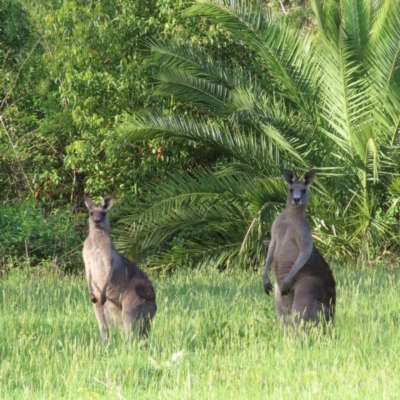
(188, 112)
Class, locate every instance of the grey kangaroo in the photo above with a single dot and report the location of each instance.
(304, 284)
(121, 293)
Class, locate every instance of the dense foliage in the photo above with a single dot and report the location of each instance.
(327, 99)
(188, 112)
(31, 236)
(78, 67)
(69, 71)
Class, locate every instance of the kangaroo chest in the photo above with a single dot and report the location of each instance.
(98, 259)
(290, 234)
(287, 246)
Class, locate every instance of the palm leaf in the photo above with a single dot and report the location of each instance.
(170, 55)
(249, 148)
(383, 59)
(285, 52)
(218, 212)
(195, 91)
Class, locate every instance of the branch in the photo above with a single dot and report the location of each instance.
(16, 154)
(18, 74)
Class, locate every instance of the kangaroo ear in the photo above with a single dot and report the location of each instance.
(107, 202)
(308, 177)
(88, 201)
(289, 176)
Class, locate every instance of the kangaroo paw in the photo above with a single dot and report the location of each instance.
(268, 287)
(93, 298)
(286, 288)
(103, 299)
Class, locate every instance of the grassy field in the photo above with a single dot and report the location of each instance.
(215, 336)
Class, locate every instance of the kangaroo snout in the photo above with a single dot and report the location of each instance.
(98, 218)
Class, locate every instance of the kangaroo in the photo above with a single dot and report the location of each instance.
(304, 284)
(121, 293)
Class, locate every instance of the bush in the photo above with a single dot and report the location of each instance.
(32, 236)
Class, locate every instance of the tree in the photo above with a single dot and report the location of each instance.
(326, 99)
(16, 104)
(89, 63)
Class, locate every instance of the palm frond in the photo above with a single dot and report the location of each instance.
(249, 148)
(345, 90)
(170, 55)
(394, 187)
(228, 216)
(368, 226)
(346, 98)
(285, 51)
(192, 90)
(357, 20)
(383, 58)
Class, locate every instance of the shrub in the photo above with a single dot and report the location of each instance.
(32, 235)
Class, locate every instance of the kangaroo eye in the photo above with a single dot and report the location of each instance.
(291, 190)
(303, 191)
(91, 213)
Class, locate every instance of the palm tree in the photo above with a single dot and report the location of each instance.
(327, 99)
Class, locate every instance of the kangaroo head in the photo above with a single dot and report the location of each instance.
(98, 213)
(298, 189)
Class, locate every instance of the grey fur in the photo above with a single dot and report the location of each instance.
(305, 287)
(121, 293)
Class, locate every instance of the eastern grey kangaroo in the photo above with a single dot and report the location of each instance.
(304, 284)
(121, 293)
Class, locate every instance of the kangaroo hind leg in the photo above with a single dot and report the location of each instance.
(136, 320)
(102, 321)
(283, 305)
(308, 310)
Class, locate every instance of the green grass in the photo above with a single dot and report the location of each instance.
(215, 336)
